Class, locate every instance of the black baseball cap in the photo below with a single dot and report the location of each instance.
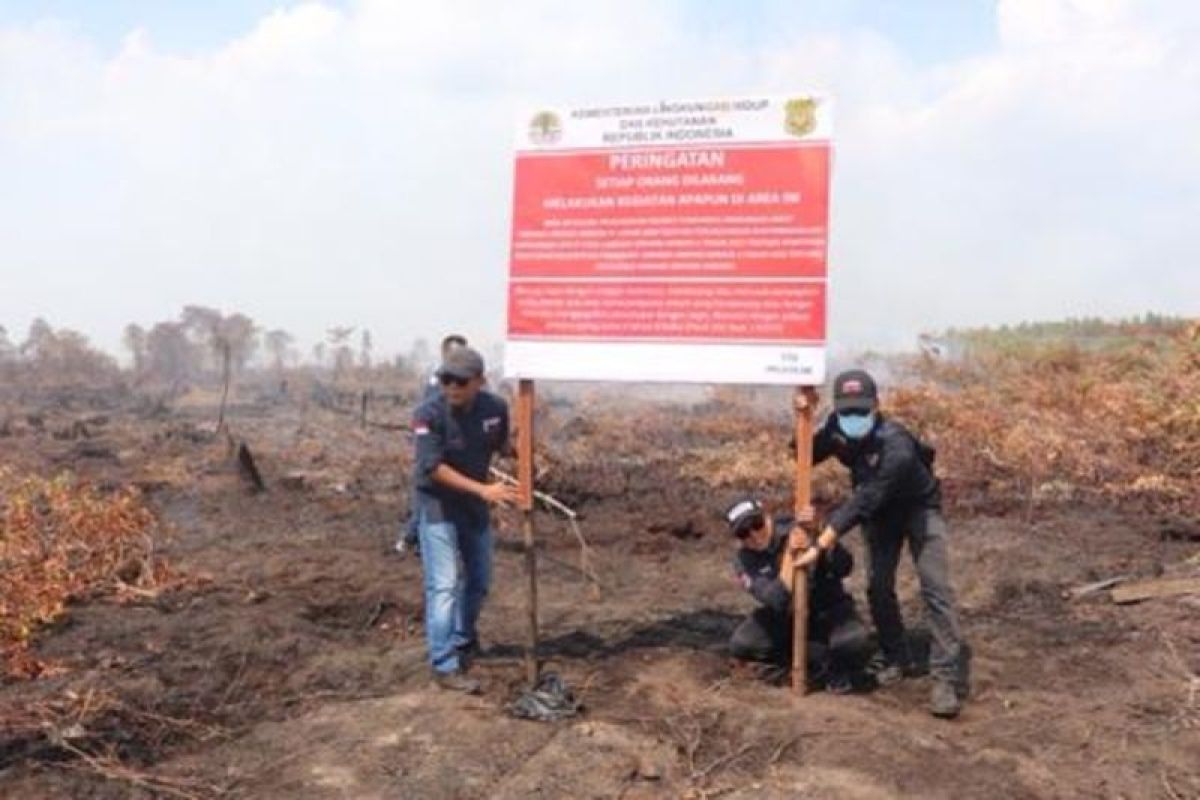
(744, 516)
(461, 362)
(854, 390)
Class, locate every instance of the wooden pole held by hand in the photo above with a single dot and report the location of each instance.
(804, 438)
(525, 403)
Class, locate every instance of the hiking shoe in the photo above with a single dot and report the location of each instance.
(886, 672)
(838, 683)
(456, 682)
(774, 674)
(943, 700)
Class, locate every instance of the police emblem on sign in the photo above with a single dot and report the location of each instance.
(800, 116)
(545, 128)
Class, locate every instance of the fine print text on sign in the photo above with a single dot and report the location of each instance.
(675, 241)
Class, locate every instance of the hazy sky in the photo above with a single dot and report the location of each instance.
(350, 163)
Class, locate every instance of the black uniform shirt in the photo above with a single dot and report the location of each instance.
(889, 469)
(464, 440)
(758, 572)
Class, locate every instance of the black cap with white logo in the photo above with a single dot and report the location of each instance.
(744, 516)
(854, 390)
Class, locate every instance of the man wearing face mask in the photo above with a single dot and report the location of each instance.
(896, 498)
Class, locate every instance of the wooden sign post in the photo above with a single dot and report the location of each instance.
(804, 437)
(525, 402)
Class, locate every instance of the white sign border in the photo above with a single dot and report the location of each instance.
(666, 362)
(784, 364)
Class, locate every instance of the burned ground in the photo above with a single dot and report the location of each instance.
(288, 661)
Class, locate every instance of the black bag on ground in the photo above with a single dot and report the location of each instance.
(549, 700)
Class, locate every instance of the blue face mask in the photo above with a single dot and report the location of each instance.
(856, 426)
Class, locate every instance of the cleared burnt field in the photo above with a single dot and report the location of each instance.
(283, 655)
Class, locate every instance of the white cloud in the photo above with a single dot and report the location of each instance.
(352, 166)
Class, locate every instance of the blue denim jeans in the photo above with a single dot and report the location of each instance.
(457, 562)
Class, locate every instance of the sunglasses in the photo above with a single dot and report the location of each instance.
(753, 524)
(453, 380)
(855, 412)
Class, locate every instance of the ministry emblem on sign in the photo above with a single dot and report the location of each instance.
(545, 128)
(800, 116)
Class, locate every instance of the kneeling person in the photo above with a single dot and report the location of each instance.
(837, 637)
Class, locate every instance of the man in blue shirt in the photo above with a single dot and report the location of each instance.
(457, 433)
(409, 540)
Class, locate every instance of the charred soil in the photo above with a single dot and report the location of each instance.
(290, 662)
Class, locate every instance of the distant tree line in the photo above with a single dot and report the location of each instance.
(1086, 332)
(50, 356)
(201, 344)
